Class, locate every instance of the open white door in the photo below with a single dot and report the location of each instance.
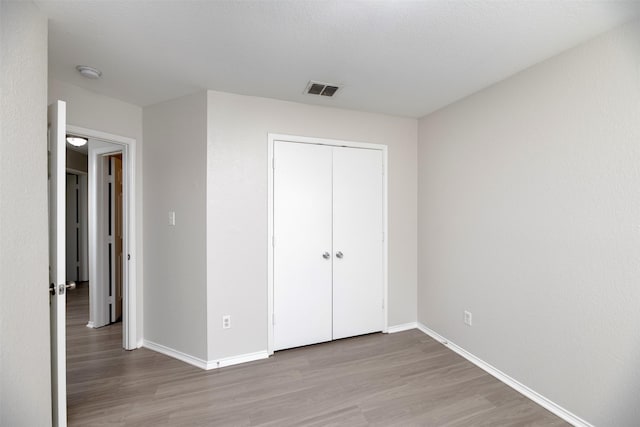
(57, 277)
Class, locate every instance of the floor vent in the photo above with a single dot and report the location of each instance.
(322, 89)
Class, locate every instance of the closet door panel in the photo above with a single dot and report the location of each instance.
(302, 233)
(357, 242)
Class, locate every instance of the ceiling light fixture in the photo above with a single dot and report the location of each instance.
(89, 72)
(76, 141)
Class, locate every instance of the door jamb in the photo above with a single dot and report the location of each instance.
(129, 288)
(272, 137)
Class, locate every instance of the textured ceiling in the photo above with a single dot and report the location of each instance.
(399, 57)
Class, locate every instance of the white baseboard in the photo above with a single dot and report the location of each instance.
(205, 364)
(184, 357)
(403, 327)
(91, 325)
(235, 360)
(517, 386)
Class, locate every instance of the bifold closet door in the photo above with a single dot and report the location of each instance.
(357, 242)
(302, 208)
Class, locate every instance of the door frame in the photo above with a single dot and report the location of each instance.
(97, 300)
(272, 137)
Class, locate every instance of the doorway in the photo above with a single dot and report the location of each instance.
(108, 212)
(112, 286)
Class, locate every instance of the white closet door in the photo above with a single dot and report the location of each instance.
(357, 242)
(302, 233)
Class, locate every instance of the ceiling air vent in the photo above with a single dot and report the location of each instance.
(322, 89)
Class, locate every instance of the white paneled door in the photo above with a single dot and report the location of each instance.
(357, 242)
(302, 233)
(328, 243)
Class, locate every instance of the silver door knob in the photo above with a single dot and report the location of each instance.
(71, 285)
(339, 255)
(326, 255)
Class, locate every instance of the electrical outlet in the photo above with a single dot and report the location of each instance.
(468, 318)
(226, 321)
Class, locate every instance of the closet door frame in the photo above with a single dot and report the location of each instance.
(272, 137)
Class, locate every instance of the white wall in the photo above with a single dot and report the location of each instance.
(529, 217)
(237, 207)
(77, 161)
(25, 372)
(175, 262)
(93, 111)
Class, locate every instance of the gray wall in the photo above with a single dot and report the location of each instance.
(77, 161)
(25, 367)
(529, 217)
(175, 177)
(237, 207)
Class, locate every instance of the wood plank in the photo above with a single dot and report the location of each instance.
(404, 379)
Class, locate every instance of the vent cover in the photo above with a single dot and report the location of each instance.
(322, 89)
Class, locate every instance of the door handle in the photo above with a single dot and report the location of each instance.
(326, 255)
(71, 285)
(52, 289)
(339, 255)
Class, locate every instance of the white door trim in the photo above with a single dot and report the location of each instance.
(97, 308)
(272, 137)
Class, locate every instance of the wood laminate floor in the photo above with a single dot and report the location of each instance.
(402, 379)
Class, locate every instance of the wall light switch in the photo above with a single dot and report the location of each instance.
(172, 218)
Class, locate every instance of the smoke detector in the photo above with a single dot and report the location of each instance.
(89, 72)
(321, 89)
